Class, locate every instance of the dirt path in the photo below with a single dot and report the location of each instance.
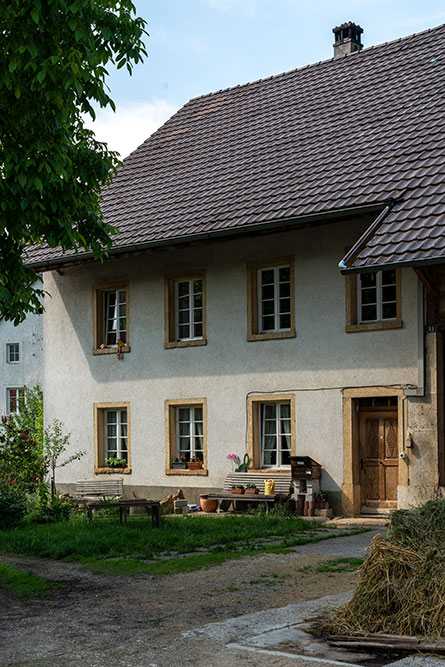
(98, 621)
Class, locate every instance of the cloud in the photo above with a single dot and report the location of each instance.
(126, 129)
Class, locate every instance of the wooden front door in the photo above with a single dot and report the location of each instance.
(379, 459)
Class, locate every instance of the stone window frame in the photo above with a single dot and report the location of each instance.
(99, 317)
(254, 428)
(99, 438)
(17, 398)
(171, 406)
(353, 325)
(9, 348)
(253, 268)
(170, 316)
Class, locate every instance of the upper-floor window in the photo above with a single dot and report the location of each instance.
(13, 353)
(185, 312)
(111, 318)
(14, 396)
(377, 296)
(271, 311)
(374, 300)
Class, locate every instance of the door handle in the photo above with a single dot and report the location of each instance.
(381, 463)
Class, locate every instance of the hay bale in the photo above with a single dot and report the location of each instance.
(401, 588)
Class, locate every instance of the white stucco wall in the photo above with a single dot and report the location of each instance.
(315, 365)
(29, 335)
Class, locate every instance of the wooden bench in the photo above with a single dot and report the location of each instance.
(152, 507)
(283, 487)
(87, 489)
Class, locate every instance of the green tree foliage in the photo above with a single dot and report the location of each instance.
(53, 58)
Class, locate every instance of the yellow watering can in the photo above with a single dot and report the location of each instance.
(269, 487)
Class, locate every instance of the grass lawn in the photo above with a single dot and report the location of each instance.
(108, 547)
(25, 585)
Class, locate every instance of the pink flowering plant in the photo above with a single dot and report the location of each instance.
(234, 458)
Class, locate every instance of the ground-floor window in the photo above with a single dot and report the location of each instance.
(112, 425)
(186, 438)
(271, 430)
(13, 399)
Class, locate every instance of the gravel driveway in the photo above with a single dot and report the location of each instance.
(99, 621)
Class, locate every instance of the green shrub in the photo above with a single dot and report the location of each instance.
(12, 507)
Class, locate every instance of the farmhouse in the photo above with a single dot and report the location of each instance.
(222, 322)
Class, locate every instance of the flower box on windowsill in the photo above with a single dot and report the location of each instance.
(179, 465)
(251, 492)
(194, 465)
(237, 491)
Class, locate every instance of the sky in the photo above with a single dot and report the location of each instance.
(200, 46)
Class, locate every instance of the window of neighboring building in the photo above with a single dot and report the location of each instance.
(374, 300)
(185, 310)
(272, 436)
(14, 396)
(271, 311)
(13, 353)
(112, 425)
(111, 308)
(186, 425)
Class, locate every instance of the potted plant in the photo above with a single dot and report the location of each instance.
(251, 490)
(238, 489)
(114, 462)
(195, 463)
(179, 463)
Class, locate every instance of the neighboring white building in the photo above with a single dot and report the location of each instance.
(21, 359)
(221, 322)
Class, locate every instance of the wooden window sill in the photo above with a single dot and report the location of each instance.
(374, 326)
(186, 343)
(112, 471)
(273, 335)
(111, 350)
(175, 471)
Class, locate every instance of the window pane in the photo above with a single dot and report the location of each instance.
(389, 293)
(270, 457)
(270, 411)
(369, 313)
(183, 303)
(267, 292)
(389, 311)
(197, 315)
(110, 298)
(198, 331)
(285, 410)
(198, 414)
(285, 289)
(122, 309)
(270, 426)
(183, 316)
(111, 430)
(388, 277)
(183, 288)
(197, 300)
(268, 323)
(284, 274)
(111, 416)
(198, 445)
(184, 444)
(284, 305)
(368, 279)
(285, 426)
(184, 414)
(184, 332)
(270, 442)
(197, 286)
(268, 307)
(184, 428)
(285, 457)
(369, 296)
(284, 321)
(285, 442)
(267, 276)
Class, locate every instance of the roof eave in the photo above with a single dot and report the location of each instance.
(384, 266)
(313, 218)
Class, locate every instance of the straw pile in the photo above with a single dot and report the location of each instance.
(401, 589)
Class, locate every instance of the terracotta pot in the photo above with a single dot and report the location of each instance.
(251, 492)
(238, 492)
(207, 504)
(194, 465)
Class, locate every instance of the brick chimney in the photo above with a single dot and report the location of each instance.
(347, 39)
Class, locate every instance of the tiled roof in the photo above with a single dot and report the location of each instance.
(342, 133)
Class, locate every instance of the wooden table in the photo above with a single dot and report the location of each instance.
(152, 507)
